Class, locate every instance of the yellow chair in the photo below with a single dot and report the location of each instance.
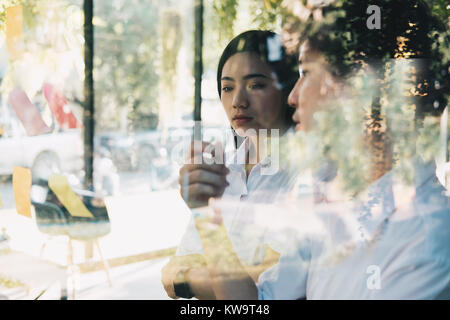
(54, 219)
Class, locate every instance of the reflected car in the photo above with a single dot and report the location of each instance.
(120, 148)
(60, 151)
(148, 147)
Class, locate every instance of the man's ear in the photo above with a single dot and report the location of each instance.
(329, 86)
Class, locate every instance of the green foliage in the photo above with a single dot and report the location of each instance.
(10, 283)
(171, 44)
(225, 15)
(340, 132)
(338, 135)
(29, 7)
(407, 31)
(440, 8)
(231, 17)
(52, 49)
(269, 14)
(394, 95)
(126, 55)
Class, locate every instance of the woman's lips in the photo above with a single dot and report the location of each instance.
(242, 120)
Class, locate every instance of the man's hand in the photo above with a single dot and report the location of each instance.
(199, 280)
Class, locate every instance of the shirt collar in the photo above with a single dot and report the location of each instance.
(383, 197)
(237, 159)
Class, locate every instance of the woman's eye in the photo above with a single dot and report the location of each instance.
(227, 89)
(256, 86)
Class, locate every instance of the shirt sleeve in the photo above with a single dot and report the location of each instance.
(421, 269)
(287, 279)
(421, 281)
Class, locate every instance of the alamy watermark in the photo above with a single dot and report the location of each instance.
(260, 146)
(374, 280)
(374, 20)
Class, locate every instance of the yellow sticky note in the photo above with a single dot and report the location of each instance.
(22, 189)
(60, 186)
(14, 31)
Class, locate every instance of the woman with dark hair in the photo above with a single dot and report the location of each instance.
(368, 100)
(266, 47)
(254, 78)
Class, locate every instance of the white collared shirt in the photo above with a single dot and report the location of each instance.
(237, 203)
(410, 259)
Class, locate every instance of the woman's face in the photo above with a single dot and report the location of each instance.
(251, 95)
(315, 87)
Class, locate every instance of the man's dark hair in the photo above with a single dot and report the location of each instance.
(408, 30)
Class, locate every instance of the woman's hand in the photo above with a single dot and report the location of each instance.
(200, 182)
(188, 264)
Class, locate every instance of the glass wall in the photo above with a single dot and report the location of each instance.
(60, 237)
(144, 87)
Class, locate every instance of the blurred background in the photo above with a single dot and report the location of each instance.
(144, 81)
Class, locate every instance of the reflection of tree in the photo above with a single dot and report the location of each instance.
(30, 7)
(171, 39)
(225, 19)
(126, 55)
(269, 13)
(399, 81)
(52, 52)
(224, 16)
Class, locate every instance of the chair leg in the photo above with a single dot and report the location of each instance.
(88, 250)
(70, 267)
(105, 262)
(44, 245)
(63, 290)
(41, 255)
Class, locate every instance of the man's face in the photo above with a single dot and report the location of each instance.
(315, 86)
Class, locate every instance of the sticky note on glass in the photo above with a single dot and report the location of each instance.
(14, 31)
(22, 189)
(60, 108)
(60, 186)
(27, 113)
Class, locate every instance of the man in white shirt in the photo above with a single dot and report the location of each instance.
(392, 242)
(383, 256)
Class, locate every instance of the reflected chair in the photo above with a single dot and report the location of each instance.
(53, 219)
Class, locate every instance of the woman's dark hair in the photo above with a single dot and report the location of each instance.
(267, 45)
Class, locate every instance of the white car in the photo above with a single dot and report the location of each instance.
(55, 152)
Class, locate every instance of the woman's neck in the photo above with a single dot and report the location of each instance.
(258, 147)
